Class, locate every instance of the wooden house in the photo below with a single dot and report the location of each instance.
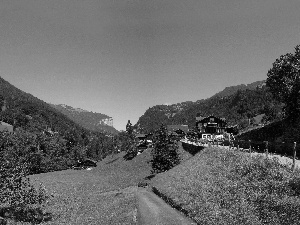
(85, 164)
(174, 128)
(210, 125)
(141, 137)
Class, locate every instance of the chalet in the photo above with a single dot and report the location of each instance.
(6, 127)
(141, 137)
(85, 164)
(210, 125)
(174, 128)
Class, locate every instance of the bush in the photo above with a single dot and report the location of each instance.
(18, 194)
(16, 163)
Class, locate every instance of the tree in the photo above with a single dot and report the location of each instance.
(164, 154)
(129, 129)
(130, 145)
(18, 197)
(284, 82)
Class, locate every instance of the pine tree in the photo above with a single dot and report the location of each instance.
(131, 150)
(164, 154)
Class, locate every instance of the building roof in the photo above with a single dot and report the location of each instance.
(141, 135)
(90, 160)
(184, 128)
(204, 119)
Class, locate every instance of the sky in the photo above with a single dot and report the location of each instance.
(120, 57)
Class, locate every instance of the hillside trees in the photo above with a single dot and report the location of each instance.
(164, 154)
(129, 145)
(236, 109)
(17, 161)
(284, 82)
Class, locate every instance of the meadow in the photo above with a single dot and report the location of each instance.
(215, 186)
(103, 195)
(221, 186)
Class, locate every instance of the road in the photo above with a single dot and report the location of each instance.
(152, 210)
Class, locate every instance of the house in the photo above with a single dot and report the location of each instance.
(85, 164)
(210, 126)
(141, 137)
(232, 130)
(174, 128)
(6, 127)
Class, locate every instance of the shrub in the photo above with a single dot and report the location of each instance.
(15, 187)
(16, 163)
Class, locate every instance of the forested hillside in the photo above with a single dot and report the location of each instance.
(30, 113)
(233, 89)
(90, 120)
(237, 108)
(44, 137)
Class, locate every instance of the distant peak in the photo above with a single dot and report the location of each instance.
(63, 105)
(233, 89)
(71, 108)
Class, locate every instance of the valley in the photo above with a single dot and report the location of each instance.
(144, 112)
(126, 186)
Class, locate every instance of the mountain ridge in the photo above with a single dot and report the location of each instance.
(227, 91)
(27, 111)
(90, 120)
(236, 103)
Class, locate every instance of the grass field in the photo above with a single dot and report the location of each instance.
(219, 186)
(103, 195)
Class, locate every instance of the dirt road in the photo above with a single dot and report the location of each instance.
(152, 210)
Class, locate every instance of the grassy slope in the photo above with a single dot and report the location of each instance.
(104, 195)
(218, 186)
(97, 196)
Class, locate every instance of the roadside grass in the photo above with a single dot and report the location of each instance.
(183, 155)
(220, 186)
(103, 195)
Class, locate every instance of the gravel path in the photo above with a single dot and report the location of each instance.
(152, 210)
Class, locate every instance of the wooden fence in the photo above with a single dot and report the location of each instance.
(287, 149)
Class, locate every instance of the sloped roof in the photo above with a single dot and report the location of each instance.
(141, 135)
(177, 127)
(204, 119)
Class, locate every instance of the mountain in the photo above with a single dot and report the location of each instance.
(233, 89)
(89, 120)
(237, 104)
(23, 110)
(44, 138)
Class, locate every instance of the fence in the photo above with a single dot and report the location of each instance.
(288, 149)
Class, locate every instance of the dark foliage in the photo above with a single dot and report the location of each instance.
(164, 153)
(18, 197)
(129, 144)
(59, 139)
(284, 82)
